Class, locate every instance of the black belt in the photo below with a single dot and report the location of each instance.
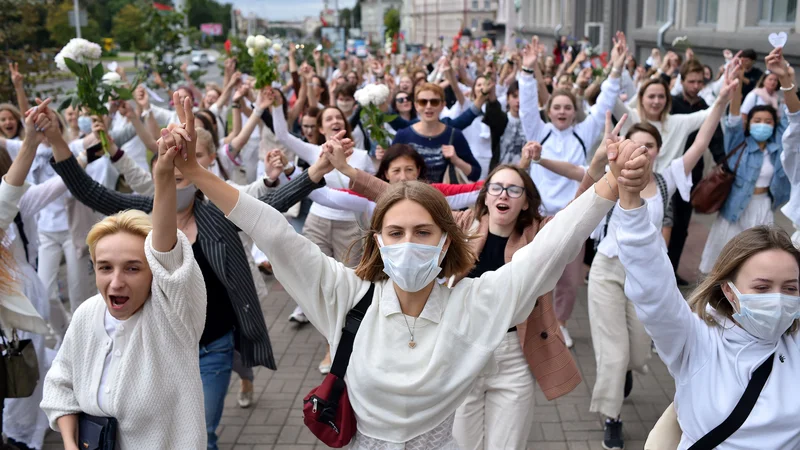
(512, 329)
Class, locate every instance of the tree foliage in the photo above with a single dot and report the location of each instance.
(391, 20)
(127, 29)
(61, 31)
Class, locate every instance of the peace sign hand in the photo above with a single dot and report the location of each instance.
(188, 159)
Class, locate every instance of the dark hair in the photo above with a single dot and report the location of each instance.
(209, 123)
(692, 66)
(347, 89)
(5, 162)
(319, 138)
(527, 216)
(645, 127)
(410, 97)
(749, 53)
(312, 111)
(513, 89)
(759, 108)
(325, 96)
(399, 151)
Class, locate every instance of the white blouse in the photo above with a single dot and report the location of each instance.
(400, 393)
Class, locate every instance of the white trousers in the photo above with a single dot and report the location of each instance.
(80, 282)
(498, 412)
(619, 338)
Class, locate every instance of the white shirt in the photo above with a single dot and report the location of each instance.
(360, 159)
(146, 385)
(399, 393)
(561, 145)
(753, 99)
(134, 148)
(711, 364)
(675, 179)
(790, 160)
(115, 329)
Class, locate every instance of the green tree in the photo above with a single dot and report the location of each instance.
(127, 29)
(60, 29)
(391, 20)
(346, 18)
(209, 11)
(356, 15)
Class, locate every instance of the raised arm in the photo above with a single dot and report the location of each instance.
(39, 122)
(709, 127)
(306, 151)
(532, 123)
(19, 86)
(532, 153)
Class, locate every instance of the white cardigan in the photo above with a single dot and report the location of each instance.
(711, 364)
(156, 394)
(399, 393)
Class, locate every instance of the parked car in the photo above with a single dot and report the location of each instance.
(200, 58)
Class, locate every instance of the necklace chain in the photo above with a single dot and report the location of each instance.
(411, 330)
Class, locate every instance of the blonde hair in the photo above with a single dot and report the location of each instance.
(130, 221)
(459, 258)
(18, 116)
(735, 253)
(204, 138)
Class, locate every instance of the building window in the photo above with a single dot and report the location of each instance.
(662, 7)
(474, 4)
(474, 24)
(707, 11)
(487, 4)
(778, 11)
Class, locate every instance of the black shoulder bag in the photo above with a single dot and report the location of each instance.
(740, 412)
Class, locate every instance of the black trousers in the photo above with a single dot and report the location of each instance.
(681, 217)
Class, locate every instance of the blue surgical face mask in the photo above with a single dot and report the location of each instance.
(766, 316)
(761, 131)
(85, 124)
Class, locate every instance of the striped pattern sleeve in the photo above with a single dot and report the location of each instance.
(290, 193)
(94, 194)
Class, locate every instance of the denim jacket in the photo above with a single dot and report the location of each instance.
(750, 166)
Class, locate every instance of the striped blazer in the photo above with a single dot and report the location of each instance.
(219, 240)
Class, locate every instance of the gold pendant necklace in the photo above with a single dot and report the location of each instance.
(411, 330)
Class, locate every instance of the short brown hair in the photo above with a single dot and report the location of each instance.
(347, 89)
(319, 138)
(735, 253)
(560, 93)
(645, 127)
(459, 258)
(692, 66)
(435, 88)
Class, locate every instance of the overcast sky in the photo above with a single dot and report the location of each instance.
(285, 9)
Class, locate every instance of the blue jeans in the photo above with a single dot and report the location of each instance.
(216, 362)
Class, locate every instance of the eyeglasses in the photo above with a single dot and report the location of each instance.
(495, 189)
(401, 100)
(435, 102)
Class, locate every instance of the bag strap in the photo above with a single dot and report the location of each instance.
(451, 168)
(728, 156)
(583, 146)
(546, 137)
(351, 325)
(740, 412)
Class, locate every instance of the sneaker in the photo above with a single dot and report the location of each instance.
(613, 437)
(567, 337)
(245, 399)
(628, 383)
(298, 316)
(324, 368)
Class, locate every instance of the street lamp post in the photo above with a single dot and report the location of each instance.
(77, 12)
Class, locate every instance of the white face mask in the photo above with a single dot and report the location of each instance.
(184, 197)
(766, 316)
(412, 266)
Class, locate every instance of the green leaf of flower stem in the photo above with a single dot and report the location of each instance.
(67, 102)
(98, 71)
(73, 66)
(124, 93)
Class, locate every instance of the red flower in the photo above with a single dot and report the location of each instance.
(228, 46)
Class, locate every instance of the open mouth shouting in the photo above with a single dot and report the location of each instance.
(118, 301)
(502, 207)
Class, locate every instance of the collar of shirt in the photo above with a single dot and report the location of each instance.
(432, 311)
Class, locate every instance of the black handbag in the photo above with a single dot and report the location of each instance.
(21, 366)
(740, 412)
(96, 433)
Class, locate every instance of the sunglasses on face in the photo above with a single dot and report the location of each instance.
(401, 100)
(435, 102)
(495, 189)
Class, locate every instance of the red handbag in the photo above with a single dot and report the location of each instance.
(326, 409)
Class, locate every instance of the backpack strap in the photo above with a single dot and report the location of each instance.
(740, 412)
(351, 325)
(583, 146)
(546, 137)
(22, 235)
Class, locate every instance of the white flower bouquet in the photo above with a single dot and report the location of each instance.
(95, 87)
(371, 98)
(265, 69)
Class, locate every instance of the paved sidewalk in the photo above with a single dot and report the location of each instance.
(275, 421)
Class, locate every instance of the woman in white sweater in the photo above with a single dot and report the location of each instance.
(421, 345)
(740, 317)
(152, 297)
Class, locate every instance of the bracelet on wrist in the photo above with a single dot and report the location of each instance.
(616, 194)
(236, 105)
(527, 70)
(790, 88)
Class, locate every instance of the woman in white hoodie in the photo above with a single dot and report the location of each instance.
(742, 316)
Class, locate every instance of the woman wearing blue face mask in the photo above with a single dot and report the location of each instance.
(741, 326)
(754, 155)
